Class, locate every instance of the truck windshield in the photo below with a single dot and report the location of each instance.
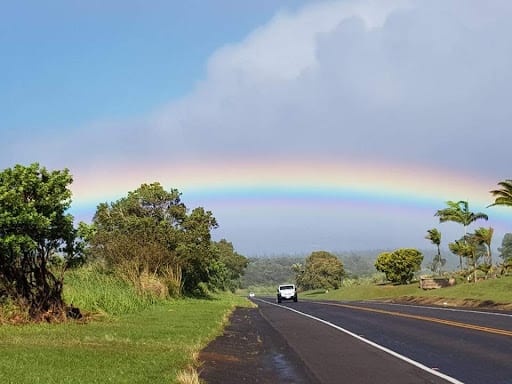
(286, 287)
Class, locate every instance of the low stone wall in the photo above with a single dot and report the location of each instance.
(435, 282)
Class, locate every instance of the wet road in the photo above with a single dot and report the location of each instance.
(387, 343)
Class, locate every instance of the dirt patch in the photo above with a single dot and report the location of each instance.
(251, 351)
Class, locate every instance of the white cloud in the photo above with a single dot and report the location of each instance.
(286, 46)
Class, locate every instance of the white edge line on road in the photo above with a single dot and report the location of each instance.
(375, 345)
(440, 308)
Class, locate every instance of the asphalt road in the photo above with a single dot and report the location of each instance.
(387, 343)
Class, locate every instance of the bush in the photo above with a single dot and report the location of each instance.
(399, 265)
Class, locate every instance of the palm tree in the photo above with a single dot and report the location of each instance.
(484, 236)
(475, 249)
(435, 237)
(465, 247)
(459, 212)
(503, 196)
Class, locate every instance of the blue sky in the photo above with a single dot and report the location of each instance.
(70, 62)
(422, 87)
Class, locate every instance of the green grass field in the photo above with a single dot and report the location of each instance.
(150, 346)
(496, 290)
(129, 340)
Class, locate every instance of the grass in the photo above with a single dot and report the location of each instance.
(93, 290)
(496, 290)
(153, 345)
(139, 341)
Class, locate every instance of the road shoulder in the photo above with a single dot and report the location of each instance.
(251, 351)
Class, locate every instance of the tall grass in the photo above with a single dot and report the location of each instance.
(93, 289)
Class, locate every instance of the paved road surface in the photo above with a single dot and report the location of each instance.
(431, 345)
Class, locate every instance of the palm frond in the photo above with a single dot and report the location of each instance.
(503, 196)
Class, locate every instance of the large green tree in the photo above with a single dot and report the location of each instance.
(459, 212)
(503, 195)
(35, 230)
(399, 266)
(151, 232)
(139, 234)
(321, 270)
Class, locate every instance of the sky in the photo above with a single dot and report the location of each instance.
(302, 125)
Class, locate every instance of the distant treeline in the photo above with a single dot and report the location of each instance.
(274, 270)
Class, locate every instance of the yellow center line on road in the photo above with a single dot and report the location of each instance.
(502, 332)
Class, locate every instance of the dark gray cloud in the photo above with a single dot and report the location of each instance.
(422, 82)
(428, 84)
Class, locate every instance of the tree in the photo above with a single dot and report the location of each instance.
(322, 270)
(435, 237)
(34, 231)
(503, 196)
(195, 254)
(484, 236)
(270, 271)
(506, 247)
(469, 248)
(234, 262)
(459, 212)
(139, 234)
(399, 265)
(150, 232)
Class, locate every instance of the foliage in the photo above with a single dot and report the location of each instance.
(150, 234)
(233, 263)
(399, 265)
(195, 254)
(83, 254)
(358, 264)
(138, 234)
(321, 270)
(269, 271)
(459, 212)
(506, 247)
(471, 248)
(483, 236)
(35, 232)
(503, 196)
(437, 262)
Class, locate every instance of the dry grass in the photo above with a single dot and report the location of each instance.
(149, 283)
(188, 376)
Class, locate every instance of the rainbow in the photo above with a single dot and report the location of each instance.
(293, 181)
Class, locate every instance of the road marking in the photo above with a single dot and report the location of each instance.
(496, 331)
(373, 344)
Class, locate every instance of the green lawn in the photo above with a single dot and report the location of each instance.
(496, 290)
(149, 346)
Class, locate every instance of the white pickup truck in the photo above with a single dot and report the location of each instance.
(286, 292)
